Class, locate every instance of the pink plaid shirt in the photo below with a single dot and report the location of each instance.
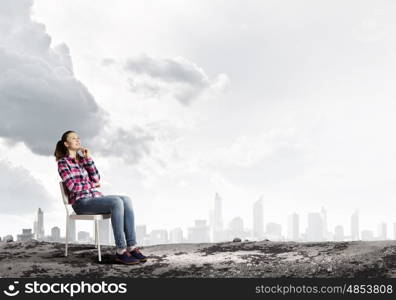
(79, 178)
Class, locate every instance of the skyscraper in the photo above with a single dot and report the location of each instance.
(141, 234)
(40, 224)
(55, 234)
(8, 238)
(382, 231)
(236, 228)
(338, 233)
(217, 229)
(111, 238)
(72, 230)
(293, 227)
(258, 221)
(26, 235)
(104, 231)
(159, 236)
(394, 231)
(84, 237)
(273, 231)
(367, 235)
(315, 227)
(199, 233)
(176, 235)
(323, 213)
(35, 231)
(355, 226)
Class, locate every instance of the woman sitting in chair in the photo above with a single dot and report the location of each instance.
(81, 178)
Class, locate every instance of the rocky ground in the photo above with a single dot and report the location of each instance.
(231, 259)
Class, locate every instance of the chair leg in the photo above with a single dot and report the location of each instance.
(67, 234)
(97, 235)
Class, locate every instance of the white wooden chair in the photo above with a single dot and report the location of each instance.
(70, 214)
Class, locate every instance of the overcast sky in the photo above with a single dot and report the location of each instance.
(178, 100)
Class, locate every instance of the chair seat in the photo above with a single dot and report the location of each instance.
(90, 217)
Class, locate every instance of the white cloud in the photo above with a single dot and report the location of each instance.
(40, 98)
(21, 193)
(177, 76)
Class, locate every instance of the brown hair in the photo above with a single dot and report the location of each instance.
(60, 149)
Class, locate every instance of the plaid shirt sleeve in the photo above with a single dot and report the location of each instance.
(93, 172)
(74, 181)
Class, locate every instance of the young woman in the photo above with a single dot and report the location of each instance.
(81, 178)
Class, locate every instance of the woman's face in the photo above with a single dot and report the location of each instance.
(73, 141)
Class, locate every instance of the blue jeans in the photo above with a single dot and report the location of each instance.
(122, 216)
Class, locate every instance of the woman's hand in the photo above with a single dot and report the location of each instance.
(97, 184)
(85, 152)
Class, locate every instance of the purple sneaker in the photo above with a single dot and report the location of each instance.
(138, 255)
(126, 258)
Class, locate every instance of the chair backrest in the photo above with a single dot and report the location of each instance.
(65, 197)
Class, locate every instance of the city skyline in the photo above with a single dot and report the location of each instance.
(212, 230)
